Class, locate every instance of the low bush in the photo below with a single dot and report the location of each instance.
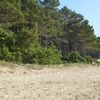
(75, 57)
(42, 55)
(88, 59)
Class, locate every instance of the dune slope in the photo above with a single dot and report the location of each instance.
(72, 83)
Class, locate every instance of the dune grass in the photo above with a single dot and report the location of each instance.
(39, 67)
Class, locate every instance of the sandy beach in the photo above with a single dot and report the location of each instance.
(68, 83)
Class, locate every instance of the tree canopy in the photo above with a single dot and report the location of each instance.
(36, 31)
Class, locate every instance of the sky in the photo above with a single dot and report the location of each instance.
(90, 9)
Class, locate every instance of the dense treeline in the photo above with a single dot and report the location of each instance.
(36, 31)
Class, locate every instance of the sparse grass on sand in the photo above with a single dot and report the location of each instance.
(37, 66)
(52, 82)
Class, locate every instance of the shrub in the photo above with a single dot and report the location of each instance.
(18, 56)
(9, 56)
(42, 55)
(74, 57)
(4, 52)
(50, 56)
(88, 59)
(7, 38)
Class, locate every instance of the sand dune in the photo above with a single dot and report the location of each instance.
(72, 83)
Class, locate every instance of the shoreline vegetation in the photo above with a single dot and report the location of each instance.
(37, 32)
(40, 67)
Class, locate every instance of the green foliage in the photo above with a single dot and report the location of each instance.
(29, 28)
(88, 59)
(49, 4)
(42, 55)
(98, 63)
(6, 55)
(26, 38)
(10, 14)
(7, 38)
(18, 56)
(75, 57)
(49, 56)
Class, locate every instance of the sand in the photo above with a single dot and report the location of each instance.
(72, 83)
